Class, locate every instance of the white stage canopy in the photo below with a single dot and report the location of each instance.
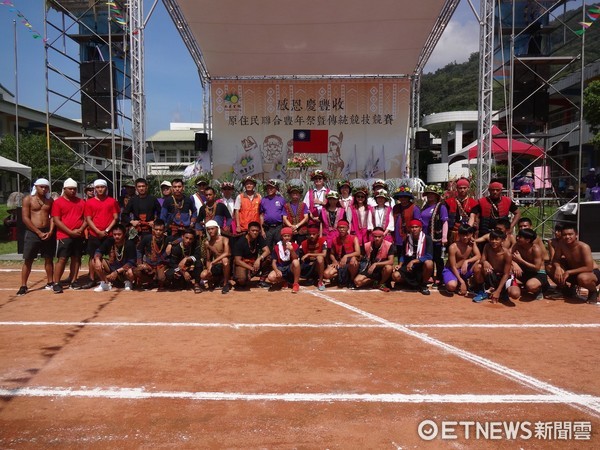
(314, 37)
(12, 166)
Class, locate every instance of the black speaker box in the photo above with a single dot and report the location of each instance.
(201, 142)
(422, 140)
(589, 224)
(534, 109)
(95, 112)
(95, 77)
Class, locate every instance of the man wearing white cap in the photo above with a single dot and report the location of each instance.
(218, 254)
(166, 189)
(67, 213)
(39, 235)
(101, 214)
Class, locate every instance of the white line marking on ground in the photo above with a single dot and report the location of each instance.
(141, 393)
(19, 270)
(193, 325)
(523, 379)
(294, 325)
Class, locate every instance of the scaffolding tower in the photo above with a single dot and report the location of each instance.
(536, 46)
(94, 70)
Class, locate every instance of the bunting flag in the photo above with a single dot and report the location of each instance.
(24, 21)
(593, 16)
(593, 13)
(585, 24)
(116, 15)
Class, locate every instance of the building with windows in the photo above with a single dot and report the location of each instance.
(170, 151)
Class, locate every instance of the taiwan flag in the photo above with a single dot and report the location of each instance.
(311, 141)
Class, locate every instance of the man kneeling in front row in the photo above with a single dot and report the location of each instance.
(118, 267)
(377, 268)
(416, 264)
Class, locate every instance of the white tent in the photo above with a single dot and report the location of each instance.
(12, 166)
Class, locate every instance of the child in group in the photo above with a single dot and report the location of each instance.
(463, 254)
(383, 216)
(313, 251)
(285, 262)
(218, 254)
(528, 265)
(344, 257)
(494, 271)
(331, 214)
(360, 216)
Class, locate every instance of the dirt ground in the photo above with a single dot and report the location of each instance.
(334, 369)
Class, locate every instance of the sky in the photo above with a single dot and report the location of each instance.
(173, 88)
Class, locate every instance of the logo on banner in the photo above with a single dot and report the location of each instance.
(232, 102)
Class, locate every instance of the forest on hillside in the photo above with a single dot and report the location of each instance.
(455, 87)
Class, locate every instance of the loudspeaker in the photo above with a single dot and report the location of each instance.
(422, 140)
(560, 148)
(589, 224)
(95, 112)
(201, 142)
(95, 77)
(534, 109)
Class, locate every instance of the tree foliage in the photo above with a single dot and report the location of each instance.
(591, 109)
(33, 153)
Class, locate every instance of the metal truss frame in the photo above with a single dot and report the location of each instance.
(63, 86)
(555, 67)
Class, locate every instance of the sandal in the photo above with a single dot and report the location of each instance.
(197, 289)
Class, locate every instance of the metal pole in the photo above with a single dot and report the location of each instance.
(17, 103)
(112, 106)
(47, 64)
(581, 87)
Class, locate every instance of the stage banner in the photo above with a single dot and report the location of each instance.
(354, 128)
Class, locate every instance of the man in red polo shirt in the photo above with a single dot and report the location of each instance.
(101, 214)
(67, 213)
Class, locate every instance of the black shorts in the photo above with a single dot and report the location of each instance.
(69, 248)
(216, 270)
(286, 272)
(573, 278)
(414, 277)
(308, 269)
(93, 244)
(540, 276)
(32, 245)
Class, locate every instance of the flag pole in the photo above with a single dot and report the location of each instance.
(17, 103)
(355, 163)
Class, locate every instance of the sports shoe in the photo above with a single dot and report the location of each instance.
(593, 297)
(321, 286)
(425, 291)
(284, 285)
(539, 296)
(226, 288)
(295, 288)
(22, 291)
(480, 296)
(384, 288)
(103, 286)
(49, 286)
(89, 285)
(569, 292)
(75, 286)
(128, 286)
(57, 288)
(263, 284)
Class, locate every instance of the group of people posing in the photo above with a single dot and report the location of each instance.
(354, 237)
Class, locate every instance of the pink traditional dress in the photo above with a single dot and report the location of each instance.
(361, 222)
(384, 218)
(329, 230)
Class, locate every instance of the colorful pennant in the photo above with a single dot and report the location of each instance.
(23, 20)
